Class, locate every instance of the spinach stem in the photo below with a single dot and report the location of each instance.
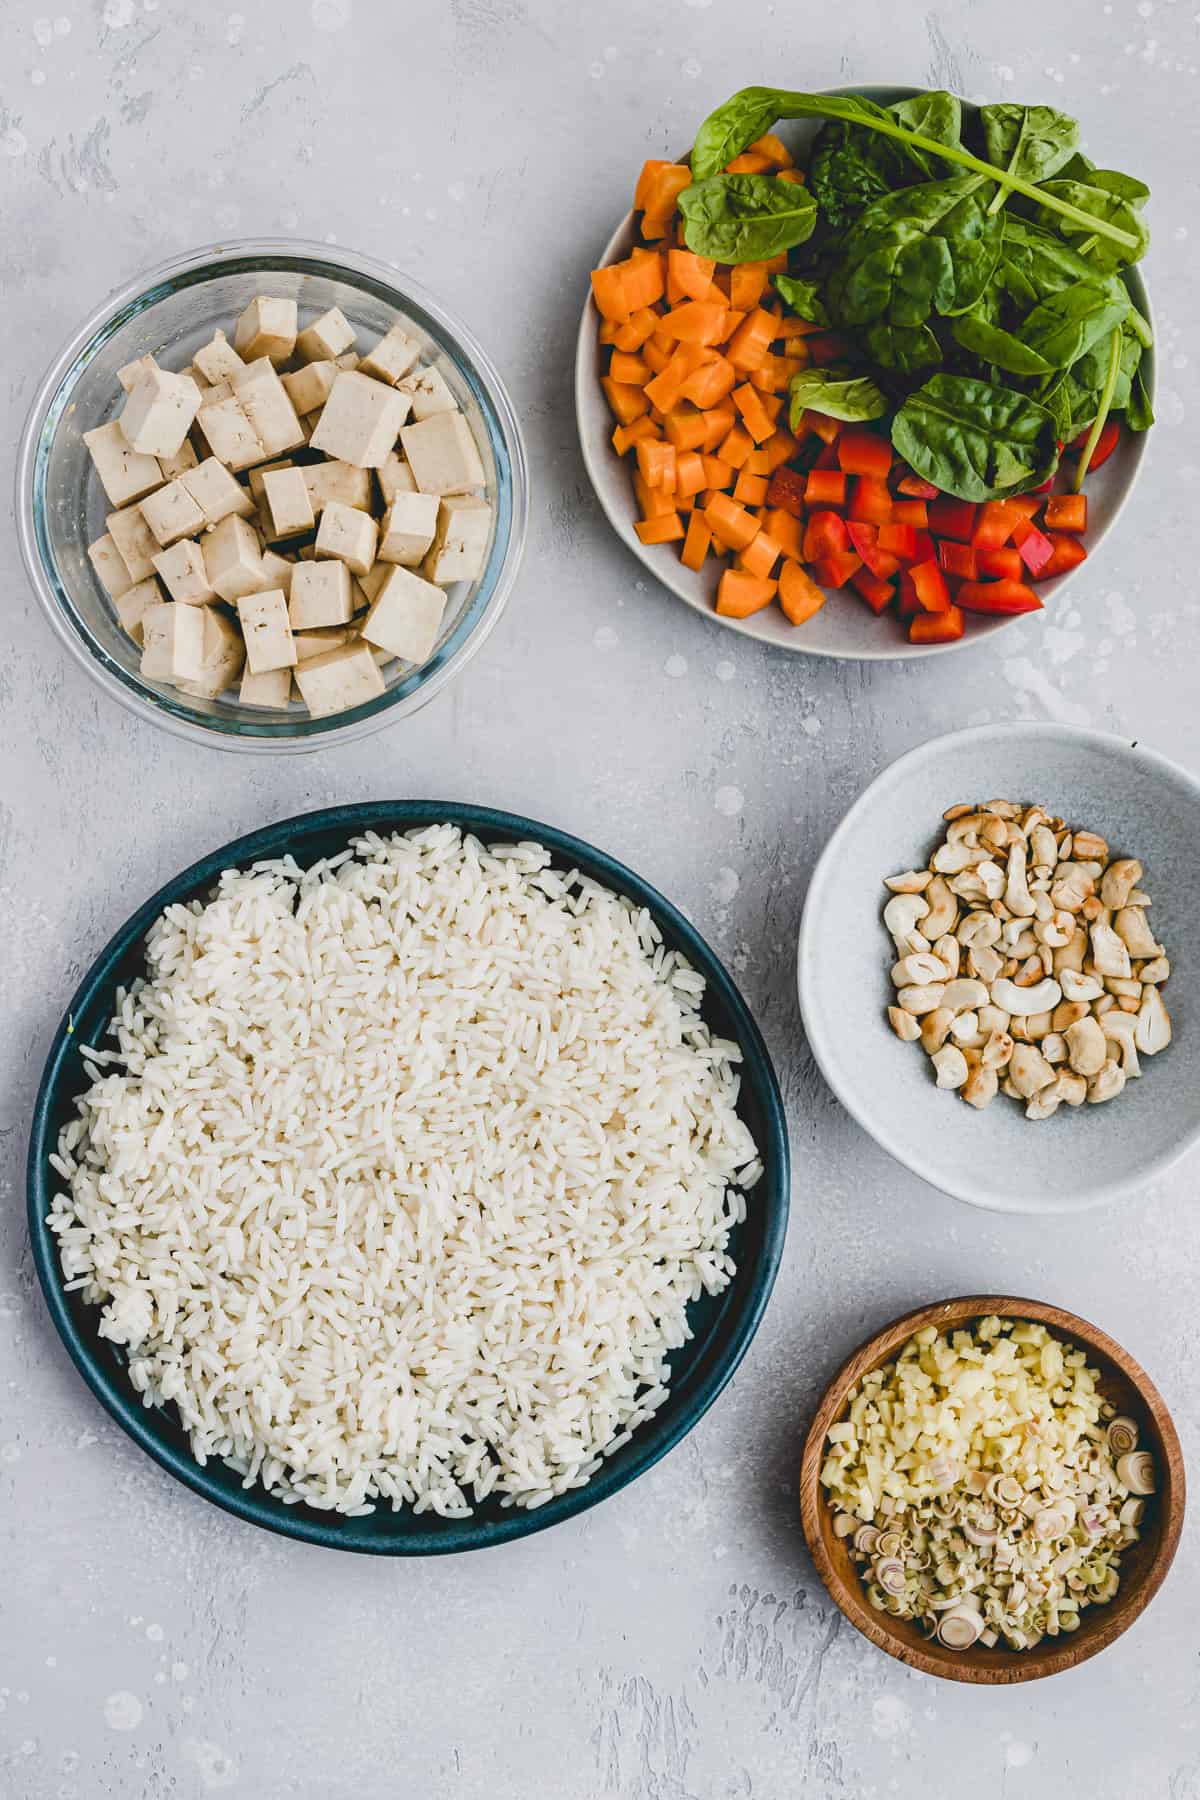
(1098, 424)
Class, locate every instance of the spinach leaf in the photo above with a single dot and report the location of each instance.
(980, 335)
(974, 439)
(1035, 264)
(936, 115)
(1077, 395)
(1105, 195)
(744, 218)
(1031, 141)
(1139, 414)
(804, 298)
(1065, 326)
(850, 167)
(838, 393)
(924, 249)
(1102, 411)
(905, 348)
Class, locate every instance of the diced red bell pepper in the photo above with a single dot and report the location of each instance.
(916, 487)
(997, 597)
(871, 501)
(877, 593)
(1068, 554)
(1043, 487)
(1000, 565)
(936, 628)
(826, 428)
(786, 490)
(835, 571)
(925, 549)
(1108, 440)
(865, 539)
(995, 524)
(825, 347)
(899, 540)
(961, 561)
(911, 512)
(907, 603)
(826, 487)
(951, 518)
(1033, 546)
(864, 453)
(826, 457)
(930, 586)
(825, 535)
(1066, 512)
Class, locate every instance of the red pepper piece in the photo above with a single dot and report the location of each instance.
(825, 535)
(1068, 554)
(1066, 512)
(827, 429)
(916, 487)
(997, 597)
(1033, 546)
(864, 453)
(936, 628)
(871, 500)
(961, 561)
(865, 538)
(930, 586)
(951, 518)
(826, 487)
(835, 571)
(1109, 438)
(877, 593)
(786, 490)
(825, 347)
(899, 540)
(906, 596)
(995, 525)
(924, 550)
(1001, 565)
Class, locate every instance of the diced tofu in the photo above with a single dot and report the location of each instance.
(230, 435)
(394, 477)
(360, 420)
(172, 513)
(222, 657)
(135, 541)
(320, 595)
(330, 481)
(110, 568)
(464, 528)
(348, 360)
(329, 336)
(392, 357)
(406, 616)
(136, 371)
(134, 604)
(215, 491)
(348, 534)
(231, 558)
(268, 634)
(339, 679)
(288, 505)
(276, 571)
(212, 393)
(308, 389)
(442, 454)
(174, 466)
(429, 393)
(408, 528)
(266, 328)
(264, 400)
(316, 643)
(173, 642)
(158, 414)
(218, 360)
(125, 474)
(369, 585)
(184, 575)
(257, 476)
(270, 688)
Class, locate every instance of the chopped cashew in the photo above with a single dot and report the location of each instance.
(943, 909)
(913, 971)
(1107, 1084)
(1131, 927)
(1120, 1028)
(913, 881)
(951, 1066)
(1119, 881)
(1016, 893)
(1086, 1046)
(935, 1028)
(1108, 952)
(905, 1026)
(1029, 1071)
(921, 999)
(1021, 1001)
(981, 1087)
(1153, 1023)
(963, 995)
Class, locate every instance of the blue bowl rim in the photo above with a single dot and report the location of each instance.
(656, 1436)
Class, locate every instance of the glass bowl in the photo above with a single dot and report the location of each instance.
(170, 313)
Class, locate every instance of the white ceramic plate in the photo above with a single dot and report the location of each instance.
(845, 626)
(1146, 807)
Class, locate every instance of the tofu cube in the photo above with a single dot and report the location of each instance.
(360, 420)
(288, 505)
(218, 361)
(215, 491)
(329, 336)
(330, 481)
(349, 359)
(320, 595)
(339, 679)
(174, 466)
(134, 604)
(110, 568)
(172, 513)
(268, 634)
(183, 574)
(408, 528)
(276, 571)
(135, 541)
(264, 400)
(348, 534)
(392, 357)
(442, 454)
(230, 435)
(395, 477)
(232, 560)
(124, 473)
(173, 642)
(316, 643)
(222, 657)
(270, 688)
(428, 392)
(464, 529)
(369, 584)
(266, 328)
(158, 414)
(308, 388)
(136, 371)
(406, 616)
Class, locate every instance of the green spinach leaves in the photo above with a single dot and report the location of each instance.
(838, 393)
(975, 440)
(745, 218)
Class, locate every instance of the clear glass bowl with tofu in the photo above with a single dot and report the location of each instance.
(82, 565)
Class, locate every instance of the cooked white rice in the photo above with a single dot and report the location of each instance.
(403, 1173)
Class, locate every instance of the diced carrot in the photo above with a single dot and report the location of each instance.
(609, 331)
(645, 279)
(656, 464)
(755, 417)
(794, 175)
(748, 163)
(689, 474)
(936, 628)
(736, 446)
(792, 328)
(629, 369)
(693, 274)
(733, 318)
(653, 503)
(608, 291)
(1066, 512)
(666, 388)
(751, 490)
(659, 187)
(787, 532)
(799, 595)
(773, 149)
(626, 436)
(729, 522)
(639, 326)
(708, 385)
(756, 463)
(740, 594)
(760, 555)
(747, 285)
(864, 453)
(653, 354)
(751, 342)
(656, 227)
(666, 530)
(697, 542)
(628, 403)
(717, 473)
(695, 322)
(778, 449)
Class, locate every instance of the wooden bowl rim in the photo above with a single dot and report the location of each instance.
(1051, 1655)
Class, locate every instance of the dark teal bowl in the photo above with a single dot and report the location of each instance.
(723, 1325)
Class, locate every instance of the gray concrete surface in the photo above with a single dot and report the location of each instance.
(674, 1644)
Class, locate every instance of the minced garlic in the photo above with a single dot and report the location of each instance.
(984, 1484)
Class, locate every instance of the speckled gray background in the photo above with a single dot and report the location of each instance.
(673, 1644)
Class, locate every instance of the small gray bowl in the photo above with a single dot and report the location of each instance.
(1146, 807)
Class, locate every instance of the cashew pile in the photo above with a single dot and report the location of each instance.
(1025, 961)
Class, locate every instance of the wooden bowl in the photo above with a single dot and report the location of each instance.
(1143, 1567)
